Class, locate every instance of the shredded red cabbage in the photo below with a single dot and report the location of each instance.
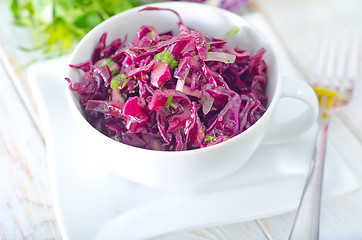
(171, 92)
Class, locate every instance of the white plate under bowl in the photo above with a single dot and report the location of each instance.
(93, 203)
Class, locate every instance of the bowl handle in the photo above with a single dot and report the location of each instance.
(280, 131)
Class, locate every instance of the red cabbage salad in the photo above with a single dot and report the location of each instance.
(171, 92)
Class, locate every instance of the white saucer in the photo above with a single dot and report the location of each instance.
(93, 203)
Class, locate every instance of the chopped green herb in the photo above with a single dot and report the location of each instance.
(115, 71)
(167, 57)
(115, 84)
(113, 66)
(229, 34)
(132, 92)
(135, 81)
(106, 62)
(152, 34)
(125, 82)
(116, 138)
(117, 80)
(174, 106)
(125, 95)
(209, 139)
(168, 102)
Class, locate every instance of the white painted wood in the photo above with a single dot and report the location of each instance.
(341, 218)
(16, 60)
(299, 24)
(238, 231)
(26, 209)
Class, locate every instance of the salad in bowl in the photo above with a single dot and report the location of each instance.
(178, 94)
(171, 91)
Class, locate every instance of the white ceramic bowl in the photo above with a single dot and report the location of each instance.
(186, 168)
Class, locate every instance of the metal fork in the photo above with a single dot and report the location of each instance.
(333, 81)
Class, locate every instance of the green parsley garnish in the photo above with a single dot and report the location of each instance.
(167, 57)
(229, 34)
(209, 139)
(168, 102)
(152, 34)
(106, 62)
(174, 106)
(117, 80)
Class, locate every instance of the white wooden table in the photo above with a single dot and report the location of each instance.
(26, 206)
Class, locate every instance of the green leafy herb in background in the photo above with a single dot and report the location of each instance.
(57, 25)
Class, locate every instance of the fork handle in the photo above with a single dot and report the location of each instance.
(306, 223)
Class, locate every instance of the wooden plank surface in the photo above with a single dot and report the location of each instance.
(341, 219)
(15, 60)
(26, 208)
